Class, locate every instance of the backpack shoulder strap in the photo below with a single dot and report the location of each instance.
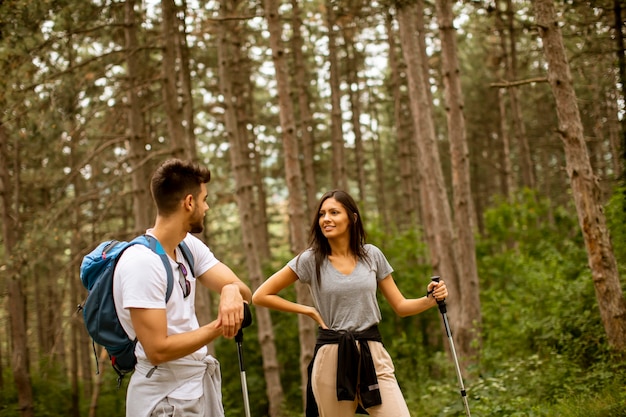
(187, 255)
(155, 246)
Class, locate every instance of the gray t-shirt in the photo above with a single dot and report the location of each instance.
(345, 302)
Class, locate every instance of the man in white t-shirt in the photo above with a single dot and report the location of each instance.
(174, 376)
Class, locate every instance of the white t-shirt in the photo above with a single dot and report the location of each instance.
(140, 281)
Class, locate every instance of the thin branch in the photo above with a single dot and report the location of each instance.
(83, 64)
(509, 84)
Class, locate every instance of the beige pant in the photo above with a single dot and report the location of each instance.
(324, 382)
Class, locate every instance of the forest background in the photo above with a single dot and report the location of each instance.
(484, 141)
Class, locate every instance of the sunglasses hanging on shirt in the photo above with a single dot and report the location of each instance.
(185, 285)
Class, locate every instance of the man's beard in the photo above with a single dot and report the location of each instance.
(197, 227)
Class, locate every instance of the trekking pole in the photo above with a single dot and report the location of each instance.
(247, 320)
(443, 310)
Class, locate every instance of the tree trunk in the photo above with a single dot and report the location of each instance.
(16, 299)
(1, 369)
(506, 179)
(518, 128)
(76, 324)
(306, 127)
(382, 206)
(135, 124)
(436, 216)
(585, 188)
(184, 75)
(404, 131)
(349, 31)
(170, 70)
(614, 133)
(505, 169)
(471, 319)
(230, 68)
(297, 221)
(338, 169)
(621, 59)
(102, 359)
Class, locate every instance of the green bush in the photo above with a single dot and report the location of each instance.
(616, 219)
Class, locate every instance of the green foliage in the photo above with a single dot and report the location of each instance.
(544, 351)
(616, 219)
(52, 392)
(535, 283)
(544, 339)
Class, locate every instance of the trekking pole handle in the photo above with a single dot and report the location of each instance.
(440, 303)
(247, 321)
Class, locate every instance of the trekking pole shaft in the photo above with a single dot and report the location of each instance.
(244, 387)
(456, 364)
(247, 320)
(443, 310)
(244, 383)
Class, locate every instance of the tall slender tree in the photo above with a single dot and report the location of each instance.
(135, 121)
(518, 128)
(620, 27)
(338, 169)
(584, 184)
(170, 79)
(9, 191)
(231, 76)
(505, 168)
(296, 207)
(306, 126)
(461, 189)
(404, 132)
(11, 212)
(436, 214)
(350, 32)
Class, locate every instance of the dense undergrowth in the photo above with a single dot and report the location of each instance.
(544, 351)
(544, 347)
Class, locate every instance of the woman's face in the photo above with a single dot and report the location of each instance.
(333, 219)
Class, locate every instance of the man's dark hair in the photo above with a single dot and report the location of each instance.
(174, 180)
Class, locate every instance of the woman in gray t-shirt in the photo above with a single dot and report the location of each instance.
(351, 370)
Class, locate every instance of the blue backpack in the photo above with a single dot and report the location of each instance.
(101, 321)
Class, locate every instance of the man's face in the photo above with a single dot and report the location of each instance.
(200, 209)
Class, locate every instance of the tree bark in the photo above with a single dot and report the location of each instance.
(436, 216)
(16, 299)
(585, 188)
(338, 169)
(170, 70)
(614, 134)
(306, 127)
(382, 207)
(404, 131)
(349, 31)
(505, 169)
(230, 68)
(471, 319)
(184, 75)
(518, 128)
(621, 59)
(102, 359)
(297, 221)
(135, 124)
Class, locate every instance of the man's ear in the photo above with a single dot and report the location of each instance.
(188, 202)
